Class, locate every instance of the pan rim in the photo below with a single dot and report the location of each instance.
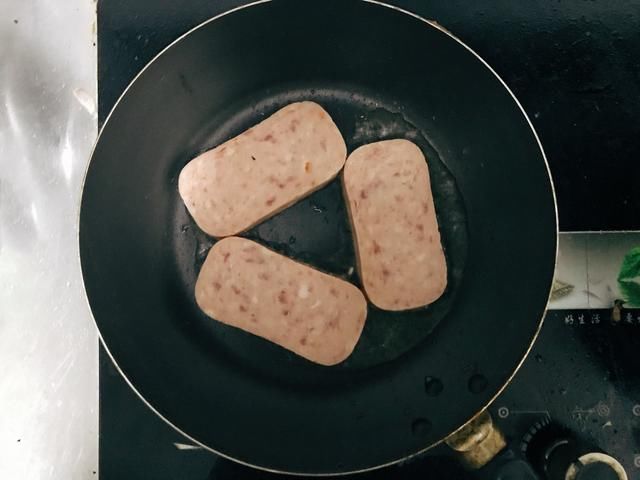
(431, 23)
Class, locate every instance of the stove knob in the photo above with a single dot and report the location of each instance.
(557, 454)
(596, 466)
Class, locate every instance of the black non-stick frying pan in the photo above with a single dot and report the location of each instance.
(415, 377)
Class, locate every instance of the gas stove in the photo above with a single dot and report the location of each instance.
(579, 384)
(578, 393)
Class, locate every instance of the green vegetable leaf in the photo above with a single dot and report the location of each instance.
(629, 277)
(631, 292)
(630, 268)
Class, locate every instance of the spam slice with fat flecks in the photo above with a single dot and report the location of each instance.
(262, 171)
(390, 203)
(248, 286)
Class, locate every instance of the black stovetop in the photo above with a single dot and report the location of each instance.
(575, 67)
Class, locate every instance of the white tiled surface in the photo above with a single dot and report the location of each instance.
(591, 263)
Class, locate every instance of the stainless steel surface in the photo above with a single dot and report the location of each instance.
(48, 342)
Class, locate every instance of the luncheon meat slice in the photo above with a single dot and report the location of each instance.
(251, 177)
(400, 257)
(248, 286)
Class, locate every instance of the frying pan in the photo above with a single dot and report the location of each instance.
(415, 377)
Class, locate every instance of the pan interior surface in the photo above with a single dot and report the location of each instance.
(415, 376)
(316, 231)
